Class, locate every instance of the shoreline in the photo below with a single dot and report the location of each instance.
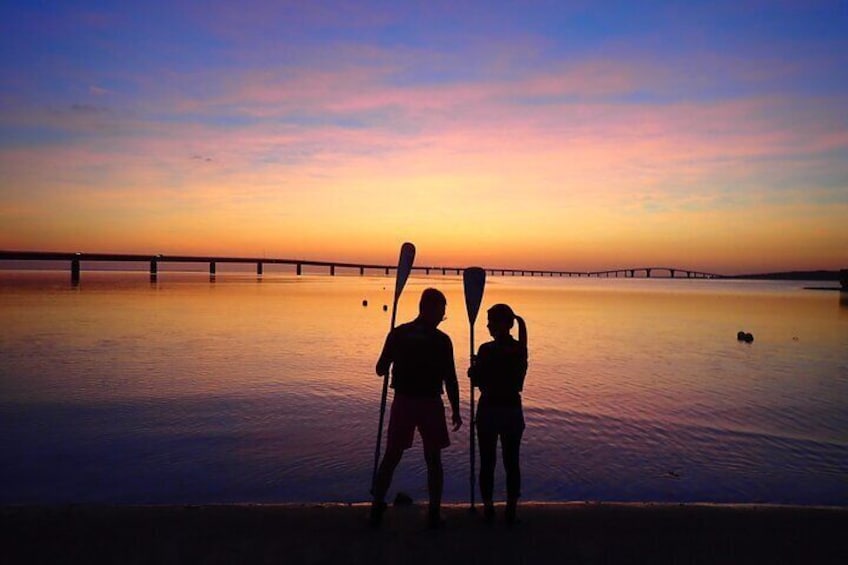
(573, 532)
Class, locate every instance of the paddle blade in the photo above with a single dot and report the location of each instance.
(474, 280)
(407, 257)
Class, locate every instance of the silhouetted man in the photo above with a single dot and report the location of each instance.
(421, 359)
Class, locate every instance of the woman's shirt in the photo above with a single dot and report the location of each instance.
(499, 371)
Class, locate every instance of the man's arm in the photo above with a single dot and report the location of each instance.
(452, 387)
(386, 356)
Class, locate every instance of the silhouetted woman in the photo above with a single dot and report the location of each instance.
(498, 371)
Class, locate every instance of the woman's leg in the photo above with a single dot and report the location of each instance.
(488, 443)
(511, 447)
(511, 450)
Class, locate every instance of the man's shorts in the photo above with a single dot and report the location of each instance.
(425, 413)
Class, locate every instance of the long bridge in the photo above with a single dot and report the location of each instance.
(75, 261)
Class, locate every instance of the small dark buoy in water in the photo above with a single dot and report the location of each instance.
(744, 336)
(385, 308)
(365, 303)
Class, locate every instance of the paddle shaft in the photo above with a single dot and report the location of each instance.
(471, 427)
(383, 399)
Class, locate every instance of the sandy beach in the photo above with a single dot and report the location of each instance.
(326, 533)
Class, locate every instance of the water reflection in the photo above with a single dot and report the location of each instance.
(238, 391)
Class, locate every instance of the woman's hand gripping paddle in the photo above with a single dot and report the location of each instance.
(474, 281)
(407, 256)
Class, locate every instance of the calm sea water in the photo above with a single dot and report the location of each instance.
(189, 391)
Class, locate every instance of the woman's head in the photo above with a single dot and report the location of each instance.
(501, 319)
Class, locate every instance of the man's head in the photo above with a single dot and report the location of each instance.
(431, 307)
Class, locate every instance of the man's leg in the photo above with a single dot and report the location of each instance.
(435, 482)
(384, 480)
(386, 472)
(398, 438)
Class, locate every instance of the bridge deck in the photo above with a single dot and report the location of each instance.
(75, 260)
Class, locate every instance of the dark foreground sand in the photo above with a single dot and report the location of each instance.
(548, 533)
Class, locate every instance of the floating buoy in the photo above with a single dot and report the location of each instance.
(744, 336)
(385, 308)
(365, 303)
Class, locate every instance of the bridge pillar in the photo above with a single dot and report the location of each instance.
(361, 271)
(259, 269)
(427, 271)
(75, 271)
(299, 269)
(212, 268)
(647, 273)
(387, 270)
(332, 270)
(154, 268)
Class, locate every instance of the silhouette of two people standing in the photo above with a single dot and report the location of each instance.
(421, 360)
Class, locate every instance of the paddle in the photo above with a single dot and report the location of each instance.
(474, 281)
(407, 256)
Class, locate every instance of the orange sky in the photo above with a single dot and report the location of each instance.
(503, 143)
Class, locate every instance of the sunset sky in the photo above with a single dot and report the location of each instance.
(559, 135)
